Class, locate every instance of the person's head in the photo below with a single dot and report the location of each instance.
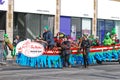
(65, 38)
(46, 28)
(17, 37)
(69, 38)
(107, 37)
(85, 36)
(5, 35)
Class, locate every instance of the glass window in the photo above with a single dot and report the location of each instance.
(100, 29)
(86, 26)
(2, 20)
(109, 25)
(76, 29)
(65, 25)
(31, 25)
(19, 25)
(103, 27)
(117, 26)
(47, 20)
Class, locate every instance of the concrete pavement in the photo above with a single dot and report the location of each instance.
(106, 71)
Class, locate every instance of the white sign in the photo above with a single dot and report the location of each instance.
(3, 5)
(30, 49)
(78, 8)
(108, 9)
(35, 6)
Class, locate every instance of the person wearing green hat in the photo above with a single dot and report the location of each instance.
(107, 40)
(7, 43)
(5, 35)
(48, 37)
(46, 28)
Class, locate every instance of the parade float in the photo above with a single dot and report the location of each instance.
(34, 55)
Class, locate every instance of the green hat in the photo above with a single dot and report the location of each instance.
(113, 31)
(107, 36)
(78, 37)
(46, 27)
(5, 35)
(85, 35)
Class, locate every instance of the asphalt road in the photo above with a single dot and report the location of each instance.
(106, 71)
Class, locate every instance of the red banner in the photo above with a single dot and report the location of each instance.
(74, 50)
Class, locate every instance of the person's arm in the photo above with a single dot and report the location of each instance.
(44, 42)
(82, 44)
(50, 37)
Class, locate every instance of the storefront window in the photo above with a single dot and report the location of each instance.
(76, 28)
(2, 26)
(103, 27)
(86, 26)
(2, 20)
(31, 25)
(117, 26)
(65, 25)
(47, 20)
(109, 25)
(19, 25)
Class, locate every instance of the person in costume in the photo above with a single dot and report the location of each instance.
(114, 36)
(110, 38)
(85, 46)
(65, 52)
(59, 38)
(7, 43)
(107, 40)
(48, 37)
(97, 42)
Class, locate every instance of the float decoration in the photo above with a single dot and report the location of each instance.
(32, 54)
(107, 40)
(110, 38)
(51, 58)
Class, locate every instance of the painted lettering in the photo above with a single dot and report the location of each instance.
(35, 47)
(2, 2)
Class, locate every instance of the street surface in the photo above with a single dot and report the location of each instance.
(106, 71)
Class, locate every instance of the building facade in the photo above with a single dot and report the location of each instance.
(72, 17)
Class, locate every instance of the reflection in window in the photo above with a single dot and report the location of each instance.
(86, 26)
(31, 25)
(76, 28)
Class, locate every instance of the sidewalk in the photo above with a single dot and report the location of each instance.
(12, 65)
